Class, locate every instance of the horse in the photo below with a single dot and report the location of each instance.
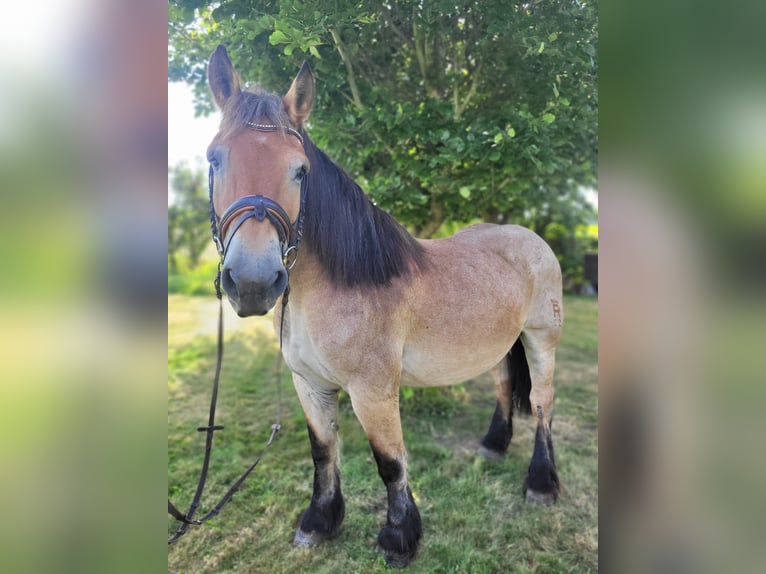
(362, 306)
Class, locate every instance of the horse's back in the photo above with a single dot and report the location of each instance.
(520, 248)
(521, 240)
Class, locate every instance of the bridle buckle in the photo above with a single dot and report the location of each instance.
(289, 257)
(218, 244)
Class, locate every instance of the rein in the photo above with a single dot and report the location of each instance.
(290, 234)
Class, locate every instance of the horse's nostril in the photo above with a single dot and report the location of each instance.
(227, 280)
(280, 278)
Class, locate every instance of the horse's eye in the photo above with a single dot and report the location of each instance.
(213, 156)
(300, 173)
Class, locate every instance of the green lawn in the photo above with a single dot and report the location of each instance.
(474, 515)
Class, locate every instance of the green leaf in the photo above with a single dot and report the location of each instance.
(541, 48)
(494, 156)
(552, 37)
(314, 52)
(511, 132)
(277, 37)
(498, 137)
(264, 23)
(465, 192)
(289, 49)
(549, 118)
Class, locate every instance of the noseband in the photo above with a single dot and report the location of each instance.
(259, 207)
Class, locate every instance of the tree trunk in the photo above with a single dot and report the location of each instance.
(432, 226)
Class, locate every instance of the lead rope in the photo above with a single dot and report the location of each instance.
(188, 519)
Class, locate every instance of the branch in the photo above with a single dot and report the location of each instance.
(421, 56)
(395, 29)
(437, 218)
(349, 69)
(460, 108)
(378, 137)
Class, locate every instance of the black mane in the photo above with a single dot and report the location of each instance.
(355, 241)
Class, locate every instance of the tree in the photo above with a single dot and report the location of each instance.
(445, 111)
(188, 216)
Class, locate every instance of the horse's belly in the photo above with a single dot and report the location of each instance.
(426, 366)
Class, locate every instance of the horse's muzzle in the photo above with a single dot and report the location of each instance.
(253, 290)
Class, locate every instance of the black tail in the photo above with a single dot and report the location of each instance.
(521, 383)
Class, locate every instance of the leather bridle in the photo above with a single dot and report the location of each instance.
(259, 207)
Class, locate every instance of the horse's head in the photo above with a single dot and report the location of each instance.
(258, 164)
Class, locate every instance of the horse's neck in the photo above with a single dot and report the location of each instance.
(307, 275)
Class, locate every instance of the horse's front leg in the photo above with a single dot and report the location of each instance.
(322, 519)
(379, 415)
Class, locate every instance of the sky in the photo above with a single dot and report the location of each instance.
(188, 136)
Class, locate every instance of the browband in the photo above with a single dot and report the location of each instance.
(273, 128)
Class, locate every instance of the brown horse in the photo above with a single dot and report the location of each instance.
(370, 307)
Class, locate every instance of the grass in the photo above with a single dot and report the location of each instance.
(474, 515)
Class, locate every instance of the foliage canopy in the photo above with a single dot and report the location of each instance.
(446, 111)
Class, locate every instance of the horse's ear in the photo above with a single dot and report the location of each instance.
(223, 80)
(300, 97)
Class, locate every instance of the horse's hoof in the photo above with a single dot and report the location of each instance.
(397, 560)
(544, 498)
(491, 455)
(399, 544)
(307, 539)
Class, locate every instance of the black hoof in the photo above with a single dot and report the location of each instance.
(398, 560)
(320, 522)
(491, 455)
(542, 498)
(542, 485)
(307, 539)
(398, 545)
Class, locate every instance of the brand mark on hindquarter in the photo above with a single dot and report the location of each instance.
(556, 312)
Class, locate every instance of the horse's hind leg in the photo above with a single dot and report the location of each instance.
(495, 442)
(378, 412)
(322, 519)
(542, 483)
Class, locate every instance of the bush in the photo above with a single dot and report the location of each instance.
(197, 281)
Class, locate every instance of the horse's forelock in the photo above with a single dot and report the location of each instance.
(251, 105)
